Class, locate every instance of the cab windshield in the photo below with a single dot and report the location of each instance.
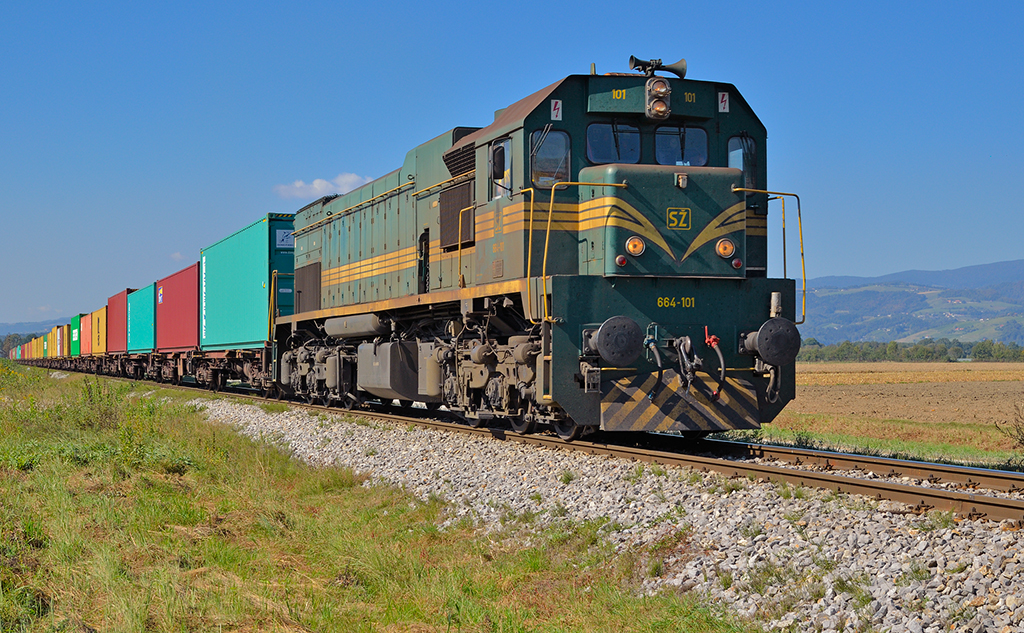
(613, 143)
(669, 139)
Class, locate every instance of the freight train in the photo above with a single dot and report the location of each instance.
(594, 258)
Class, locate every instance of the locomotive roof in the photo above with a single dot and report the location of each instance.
(510, 118)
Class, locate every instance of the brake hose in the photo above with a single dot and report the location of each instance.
(685, 366)
(712, 341)
(653, 346)
(773, 384)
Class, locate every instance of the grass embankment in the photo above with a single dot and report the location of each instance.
(127, 511)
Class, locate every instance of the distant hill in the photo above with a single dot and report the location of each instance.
(969, 304)
(967, 277)
(31, 327)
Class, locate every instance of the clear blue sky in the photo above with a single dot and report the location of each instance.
(134, 134)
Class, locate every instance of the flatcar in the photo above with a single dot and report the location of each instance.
(594, 259)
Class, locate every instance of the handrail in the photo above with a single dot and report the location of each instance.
(547, 236)
(273, 302)
(445, 182)
(529, 258)
(355, 206)
(800, 225)
(781, 199)
(462, 278)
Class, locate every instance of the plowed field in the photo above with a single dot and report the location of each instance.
(947, 403)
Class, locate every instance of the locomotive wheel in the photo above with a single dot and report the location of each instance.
(522, 425)
(567, 430)
(476, 423)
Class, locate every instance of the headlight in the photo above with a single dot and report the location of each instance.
(660, 87)
(659, 108)
(635, 246)
(725, 248)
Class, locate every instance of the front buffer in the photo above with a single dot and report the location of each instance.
(609, 336)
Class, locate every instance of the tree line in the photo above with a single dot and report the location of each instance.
(925, 350)
(13, 340)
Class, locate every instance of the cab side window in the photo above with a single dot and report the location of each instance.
(549, 158)
(501, 168)
(743, 156)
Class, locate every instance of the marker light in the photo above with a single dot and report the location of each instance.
(620, 260)
(737, 263)
(659, 108)
(635, 246)
(660, 87)
(725, 248)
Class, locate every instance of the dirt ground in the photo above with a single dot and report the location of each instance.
(972, 393)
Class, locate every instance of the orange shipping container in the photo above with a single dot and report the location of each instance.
(99, 331)
(65, 349)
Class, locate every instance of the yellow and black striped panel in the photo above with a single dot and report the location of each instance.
(757, 225)
(625, 405)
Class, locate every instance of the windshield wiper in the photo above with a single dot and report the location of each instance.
(682, 144)
(540, 141)
(615, 137)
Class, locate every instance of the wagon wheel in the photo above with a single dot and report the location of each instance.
(567, 429)
(432, 406)
(476, 423)
(405, 404)
(523, 425)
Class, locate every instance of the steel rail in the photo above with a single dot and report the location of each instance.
(966, 476)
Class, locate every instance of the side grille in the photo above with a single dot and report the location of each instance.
(460, 161)
(307, 288)
(453, 200)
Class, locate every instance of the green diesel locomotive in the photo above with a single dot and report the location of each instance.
(595, 258)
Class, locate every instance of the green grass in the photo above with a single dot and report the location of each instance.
(130, 513)
(274, 407)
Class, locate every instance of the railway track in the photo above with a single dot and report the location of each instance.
(960, 489)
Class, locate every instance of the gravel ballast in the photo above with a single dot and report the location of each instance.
(795, 559)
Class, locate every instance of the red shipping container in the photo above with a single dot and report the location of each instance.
(85, 334)
(117, 322)
(177, 311)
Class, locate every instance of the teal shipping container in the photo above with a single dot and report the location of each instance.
(76, 335)
(238, 288)
(142, 320)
